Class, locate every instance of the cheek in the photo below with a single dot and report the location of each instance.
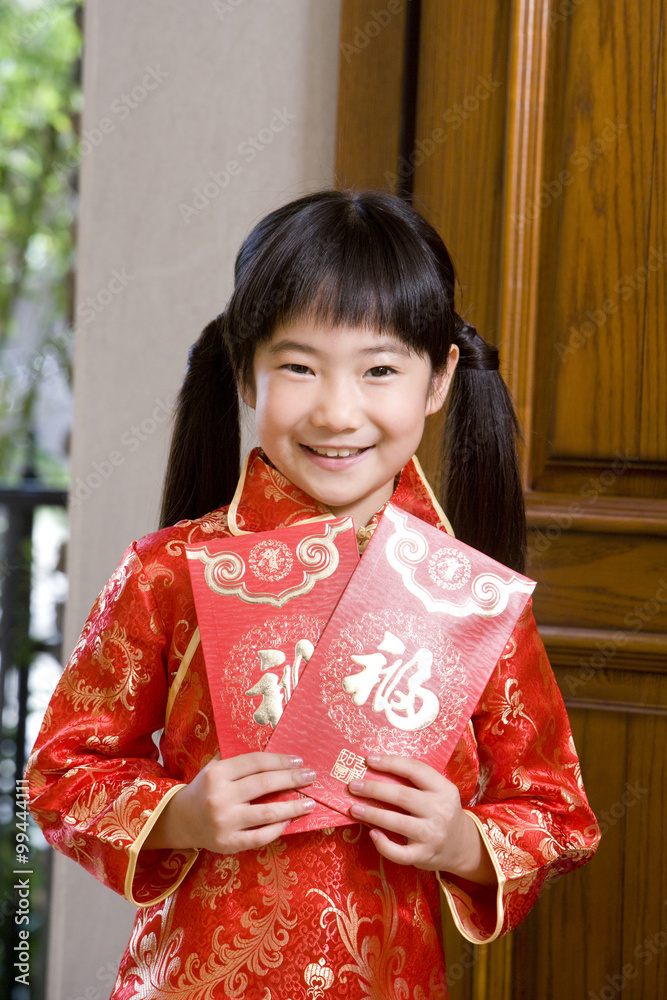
(275, 409)
(407, 415)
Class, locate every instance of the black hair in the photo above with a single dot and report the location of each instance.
(356, 259)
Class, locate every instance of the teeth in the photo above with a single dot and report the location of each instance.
(336, 452)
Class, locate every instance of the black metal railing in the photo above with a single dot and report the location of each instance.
(25, 868)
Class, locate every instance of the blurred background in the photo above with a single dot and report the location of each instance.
(139, 143)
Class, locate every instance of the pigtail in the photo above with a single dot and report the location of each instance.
(203, 464)
(482, 485)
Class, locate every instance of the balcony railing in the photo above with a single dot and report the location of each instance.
(25, 868)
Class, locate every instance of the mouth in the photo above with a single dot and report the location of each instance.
(335, 452)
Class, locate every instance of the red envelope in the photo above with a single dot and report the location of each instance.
(262, 602)
(405, 657)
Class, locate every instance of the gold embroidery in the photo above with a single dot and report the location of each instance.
(213, 523)
(378, 960)
(318, 977)
(268, 933)
(114, 654)
(509, 705)
(86, 806)
(123, 822)
(219, 879)
(108, 745)
(256, 949)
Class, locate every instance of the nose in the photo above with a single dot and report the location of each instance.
(337, 408)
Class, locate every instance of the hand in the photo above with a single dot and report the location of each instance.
(439, 835)
(216, 810)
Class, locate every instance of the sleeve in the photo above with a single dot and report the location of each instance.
(530, 805)
(95, 784)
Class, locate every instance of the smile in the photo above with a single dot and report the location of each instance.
(335, 452)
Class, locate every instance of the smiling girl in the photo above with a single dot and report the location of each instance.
(342, 336)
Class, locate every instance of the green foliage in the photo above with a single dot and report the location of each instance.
(40, 101)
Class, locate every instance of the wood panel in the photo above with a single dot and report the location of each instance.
(603, 255)
(604, 581)
(653, 412)
(459, 155)
(522, 180)
(369, 93)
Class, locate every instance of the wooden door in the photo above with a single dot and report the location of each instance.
(536, 143)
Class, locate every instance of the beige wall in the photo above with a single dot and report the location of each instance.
(173, 93)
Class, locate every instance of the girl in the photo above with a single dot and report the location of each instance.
(342, 334)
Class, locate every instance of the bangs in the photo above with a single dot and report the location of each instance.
(364, 260)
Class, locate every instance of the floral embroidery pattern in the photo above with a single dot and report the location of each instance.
(257, 948)
(115, 656)
(219, 879)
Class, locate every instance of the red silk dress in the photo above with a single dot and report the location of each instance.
(312, 916)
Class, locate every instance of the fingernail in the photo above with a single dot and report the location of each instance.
(296, 761)
(356, 785)
(357, 810)
(308, 805)
(373, 758)
(308, 775)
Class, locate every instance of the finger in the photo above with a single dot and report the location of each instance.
(236, 768)
(417, 771)
(255, 786)
(253, 840)
(402, 854)
(264, 814)
(412, 800)
(405, 826)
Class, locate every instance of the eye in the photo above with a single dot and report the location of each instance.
(381, 371)
(297, 369)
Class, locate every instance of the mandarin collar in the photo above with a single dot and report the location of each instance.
(266, 500)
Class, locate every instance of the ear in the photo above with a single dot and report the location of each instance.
(248, 394)
(441, 381)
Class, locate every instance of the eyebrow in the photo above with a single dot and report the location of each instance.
(381, 348)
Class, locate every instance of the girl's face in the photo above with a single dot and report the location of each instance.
(341, 410)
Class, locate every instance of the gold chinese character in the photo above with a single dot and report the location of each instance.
(399, 705)
(276, 691)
